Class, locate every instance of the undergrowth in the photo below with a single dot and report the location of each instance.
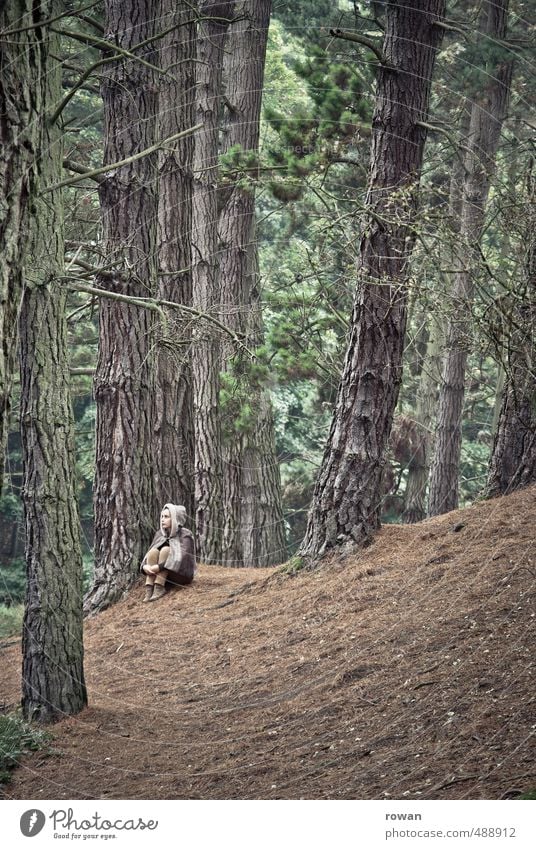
(17, 737)
(11, 620)
(293, 566)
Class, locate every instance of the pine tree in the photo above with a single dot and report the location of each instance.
(124, 378)
(347, 498)
(53, 676)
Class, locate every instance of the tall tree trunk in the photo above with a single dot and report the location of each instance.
(419, 466)
(513, 459)
(206, 347)
(19, 59)
(415, 501)
(262, 523)
(347, 498)
(53, 676)
(124, 377)
(487, 115)
(253, 528)
(173, 450)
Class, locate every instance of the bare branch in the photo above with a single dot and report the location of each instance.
(94, 41)
(158, 306)
(92, 22)
(80, 169)
(452, 28)
(365, 42)
(105, 169)
(70, 94)
(70, 14)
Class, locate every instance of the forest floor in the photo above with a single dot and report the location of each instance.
(402, 671)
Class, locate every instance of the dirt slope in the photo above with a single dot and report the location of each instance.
(406, 670)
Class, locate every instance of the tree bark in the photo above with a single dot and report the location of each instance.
(415, 501)
(487, 115)
(53, 677)
(206, 342)
(253, 527)
(262, 523)
(513, 459)
(173, 449)
(347, 497)
(19, 58)
(124, 377)
(419, 466)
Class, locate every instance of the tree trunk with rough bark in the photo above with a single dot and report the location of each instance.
(487, 115)
(419, 466)
(206, 341)
(415, 501)
(173, 448)
(19, 59)
(513, 459)
(124, 377)
(347, 497)
(53, 677)
(253, 528)
(262, 522)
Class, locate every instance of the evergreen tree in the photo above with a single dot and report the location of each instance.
(347, 498)
(53, 677)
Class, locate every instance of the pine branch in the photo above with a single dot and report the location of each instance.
(346, 35)
(452, 28)
(456, 146)
(72, 91)
(87, 20)
(156, 305)
(80, 169)
(47, 21)
(94, 41)
(103, 271)
(105, 169)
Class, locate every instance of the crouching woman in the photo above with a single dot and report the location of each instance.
(171, 556)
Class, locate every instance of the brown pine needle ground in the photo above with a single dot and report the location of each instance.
(402, 671)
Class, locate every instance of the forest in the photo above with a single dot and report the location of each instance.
(272, 261)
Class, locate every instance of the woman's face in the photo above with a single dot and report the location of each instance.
(165, 520)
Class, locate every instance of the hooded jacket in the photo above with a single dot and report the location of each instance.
(180, 561)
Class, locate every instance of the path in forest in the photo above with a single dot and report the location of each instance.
(403, 671)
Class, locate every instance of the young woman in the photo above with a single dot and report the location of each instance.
(171, 556)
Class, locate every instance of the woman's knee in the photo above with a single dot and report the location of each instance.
(163, 555)
(152, 556)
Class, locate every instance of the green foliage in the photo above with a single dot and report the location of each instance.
(239, 386)
(239, 168)
(85, 455)
(10, 505)
(293, 566)
(17, 737)
(13, 583)
(322, 130)
(306, 18)
(11, 620)
(301, 426)
(530, 794)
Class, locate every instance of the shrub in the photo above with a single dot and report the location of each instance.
(16, 738)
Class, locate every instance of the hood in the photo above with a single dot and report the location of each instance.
(178, 517)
